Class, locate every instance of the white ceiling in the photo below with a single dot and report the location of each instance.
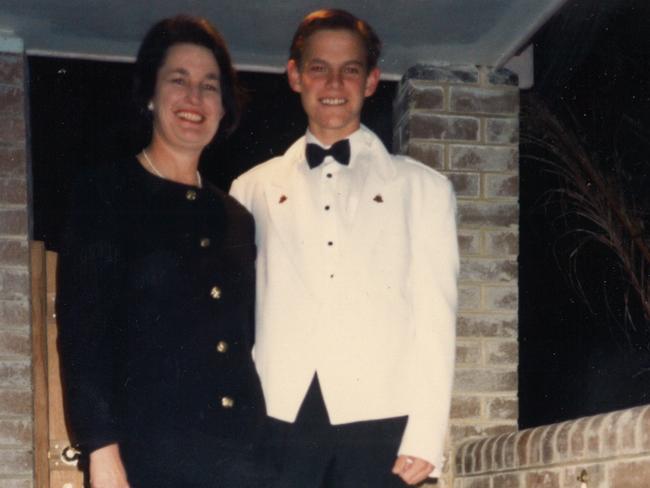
(482, 32)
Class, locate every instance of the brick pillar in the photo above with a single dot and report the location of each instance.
(16, 443)
(463, 121)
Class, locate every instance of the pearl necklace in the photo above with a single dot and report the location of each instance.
(159, 174)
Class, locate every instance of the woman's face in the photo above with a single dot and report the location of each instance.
(187, 104)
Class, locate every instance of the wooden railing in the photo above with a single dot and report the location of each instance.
(55, 464)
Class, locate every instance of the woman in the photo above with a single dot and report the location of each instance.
(156, 289)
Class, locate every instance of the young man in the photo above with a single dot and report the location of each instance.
(356, 291)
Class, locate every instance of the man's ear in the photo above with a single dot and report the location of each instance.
(371, 82)
(293, 75)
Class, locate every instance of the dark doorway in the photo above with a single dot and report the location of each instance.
(584, 347)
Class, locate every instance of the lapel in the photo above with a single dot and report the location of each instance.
(378, 198)
(292, 213)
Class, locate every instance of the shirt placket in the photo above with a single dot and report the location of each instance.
(331, 209)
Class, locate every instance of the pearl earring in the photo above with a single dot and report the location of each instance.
(150, 106)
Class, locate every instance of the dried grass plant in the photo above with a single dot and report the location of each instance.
(594, 188)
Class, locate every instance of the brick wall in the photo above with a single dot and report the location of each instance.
(15, 347)
(463, 121)
(610, 450)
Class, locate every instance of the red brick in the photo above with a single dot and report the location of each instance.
(577, 437)
(502, 131)
(13, 221)
(469, 297)
(16, 432)
(423, 96)
(460, 433)
(490, 452)
(468, 353)
(15, 402)
(13, 191)
(523, 449)
(15, 374)
(499, 452)
(536, 445)
(501, 298)
(543, 479)
(629, 475)
(501, 243)
(15, 461)
(13, 161)
(470, 459)
(14, 283)
(12, 69)
(17, 482)
(596, 475)
(485, 380)
(14, 252)
(469, 242)
(510, 450)
(443, 127)
(507, 481)
(627, 430)
(610, 430)
(479, 456)
(502, 408)
(12, 100)
(487, 325)
(12, 129)
(14, 312)
(562, 439)
(644, 427)
(15, 342)
(465, 407)
(433, 155)
(484, 214)
(484, 269)
(501, 186)
(480, 482)
(501, 352)
(483, 158)
(548, 444)
(593, 434)
(466, 185)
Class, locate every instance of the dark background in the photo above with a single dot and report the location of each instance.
(592, 70)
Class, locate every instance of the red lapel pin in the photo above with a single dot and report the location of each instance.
(283, 199)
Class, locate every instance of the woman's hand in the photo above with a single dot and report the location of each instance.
(106, 468)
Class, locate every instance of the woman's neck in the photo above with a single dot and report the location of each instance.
(178, 166)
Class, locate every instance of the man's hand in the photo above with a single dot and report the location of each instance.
(411, 469)
(106, 468)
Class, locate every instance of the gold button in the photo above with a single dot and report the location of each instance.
(222, 347)
(215, 292)
(190, 195)
(227, 402)
(205, 242)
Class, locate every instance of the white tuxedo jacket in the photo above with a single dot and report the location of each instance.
(381, 333)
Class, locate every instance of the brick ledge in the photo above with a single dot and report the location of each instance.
(618, 434)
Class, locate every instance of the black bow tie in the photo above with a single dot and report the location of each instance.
(339, 151)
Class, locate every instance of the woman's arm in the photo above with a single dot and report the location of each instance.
(88, 297)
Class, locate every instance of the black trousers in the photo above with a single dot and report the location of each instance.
(312, 453)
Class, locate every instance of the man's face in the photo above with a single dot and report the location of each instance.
(333, 81)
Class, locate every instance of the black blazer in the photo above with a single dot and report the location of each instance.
(155, 310)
